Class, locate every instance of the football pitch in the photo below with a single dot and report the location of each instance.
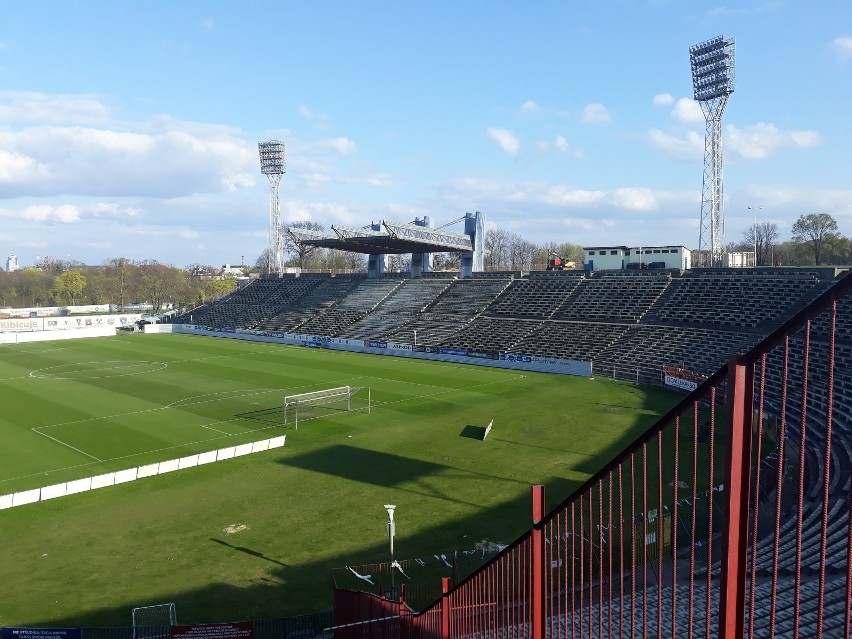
(257, 536)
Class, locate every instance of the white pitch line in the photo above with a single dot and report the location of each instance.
(82, 452)
(216, 429)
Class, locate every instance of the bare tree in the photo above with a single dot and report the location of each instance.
(762, 239)
(496, 245)
(301, 252)
(120, 277)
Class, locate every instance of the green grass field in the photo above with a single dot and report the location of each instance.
(77, 408)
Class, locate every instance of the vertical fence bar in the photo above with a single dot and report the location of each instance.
(826, 468)
(660, 534)
(620, 550)
(536, 567)
(737, 482)
(675, 523)
(644, 540)
(801, 495)
(600, 557)
(759, 458)
(782, 438)
(445, 608)
(691, 627)
(632, 545)
(708, 599)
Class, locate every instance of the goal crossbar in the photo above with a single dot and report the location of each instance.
(342, 395)
(318, 397)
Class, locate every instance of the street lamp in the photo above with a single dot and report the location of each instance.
(754, 229)
(391, 533)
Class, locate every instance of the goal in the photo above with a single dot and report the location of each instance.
(154, 622)
(341, 398)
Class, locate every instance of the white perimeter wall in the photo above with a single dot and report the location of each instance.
(49, 336)
(70, 322)
(140, 472)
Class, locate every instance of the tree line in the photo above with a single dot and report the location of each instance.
(117, 281)
(815, 240)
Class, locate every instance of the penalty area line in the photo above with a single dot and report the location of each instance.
(59, 441)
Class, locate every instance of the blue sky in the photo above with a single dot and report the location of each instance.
(130, 128)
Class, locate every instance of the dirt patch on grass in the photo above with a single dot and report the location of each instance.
(232, 529)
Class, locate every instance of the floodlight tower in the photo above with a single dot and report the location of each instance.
(272, 165)
(712, 82)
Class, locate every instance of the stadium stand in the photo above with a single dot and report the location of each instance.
(536, 296)
(739, 300)
(611, 297)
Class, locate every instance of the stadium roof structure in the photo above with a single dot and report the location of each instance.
(386, 237)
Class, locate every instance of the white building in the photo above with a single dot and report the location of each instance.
(12, 263)
(605, 258)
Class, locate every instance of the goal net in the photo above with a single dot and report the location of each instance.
(154, 622)
(324, 402)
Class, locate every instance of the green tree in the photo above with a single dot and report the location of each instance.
(214, 288)
(69, 286)
(815, 230)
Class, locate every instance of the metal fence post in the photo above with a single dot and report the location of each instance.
(736, 499)
(537, 560)
(445, 608)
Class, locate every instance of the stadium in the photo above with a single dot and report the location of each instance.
(641, 327)
(647, 449)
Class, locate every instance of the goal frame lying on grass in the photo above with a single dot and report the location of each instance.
(292, 403)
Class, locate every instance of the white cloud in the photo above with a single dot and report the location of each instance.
(162, 158)
(753, 142)
(341, 145)
(663, 99)
(112, 209)
(687, 110)
(843, 47)
(530, 107)
(761, 140)
(595, 113)
(305, 111)
(208, 24)
(562, 195)
(687, 148)
(637, 199)
(15, 166)
(508, 142)
(561, 143)
(65, 213)
(378, 179)
(28, 106)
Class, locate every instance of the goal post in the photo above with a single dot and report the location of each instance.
(154, 622)
(339, 398)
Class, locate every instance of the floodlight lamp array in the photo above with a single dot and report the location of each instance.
(712, 68)
(271, 157)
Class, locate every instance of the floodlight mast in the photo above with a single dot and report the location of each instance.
(272, 165)
(712, 65)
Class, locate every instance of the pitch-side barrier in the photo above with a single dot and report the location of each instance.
(132, 474)
(477, 357)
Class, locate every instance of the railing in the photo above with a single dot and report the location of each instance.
(728, 518)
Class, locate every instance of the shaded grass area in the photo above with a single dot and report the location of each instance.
(302, 510)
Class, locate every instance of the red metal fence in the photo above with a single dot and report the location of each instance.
(729, 518)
